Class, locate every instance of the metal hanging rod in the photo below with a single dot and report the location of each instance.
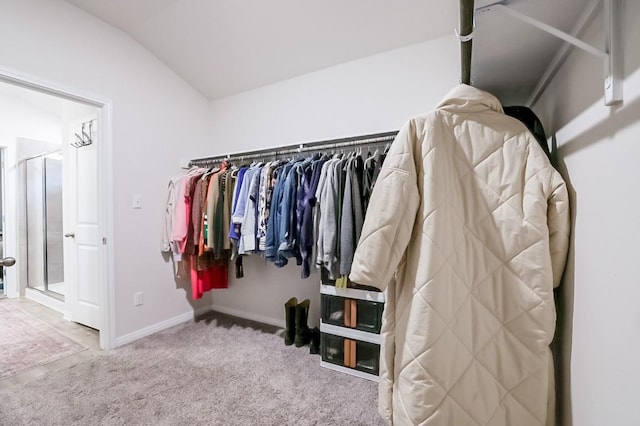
(279, 152)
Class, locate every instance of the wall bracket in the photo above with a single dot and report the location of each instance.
(611, 56)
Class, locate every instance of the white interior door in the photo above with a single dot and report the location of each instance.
(82, 240)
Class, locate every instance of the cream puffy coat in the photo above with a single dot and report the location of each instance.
(468, 230)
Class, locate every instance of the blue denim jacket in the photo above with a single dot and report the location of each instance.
(273, 226)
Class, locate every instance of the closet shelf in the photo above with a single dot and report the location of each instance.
(611, 55)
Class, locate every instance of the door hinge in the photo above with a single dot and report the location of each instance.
(104, 241)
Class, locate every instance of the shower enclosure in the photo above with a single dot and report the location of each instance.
(44, 235)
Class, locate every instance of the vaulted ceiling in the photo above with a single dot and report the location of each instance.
(222, 47)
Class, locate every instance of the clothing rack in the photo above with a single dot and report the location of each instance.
(319, 146)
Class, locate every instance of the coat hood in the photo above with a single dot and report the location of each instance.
(469, 99)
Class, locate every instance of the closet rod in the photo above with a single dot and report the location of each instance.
(466, 39)
(372, 139)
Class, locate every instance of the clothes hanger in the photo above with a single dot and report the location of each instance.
(375, 157)
(194, 170)
(210, 171)
(349, 160)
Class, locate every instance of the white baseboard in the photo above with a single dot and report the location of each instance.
(249, 315)
(189, 316)
(162, 325)
(49, 302)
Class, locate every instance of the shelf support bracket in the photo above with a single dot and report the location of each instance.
(611, 56)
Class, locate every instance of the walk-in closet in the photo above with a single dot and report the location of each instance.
(363, 212)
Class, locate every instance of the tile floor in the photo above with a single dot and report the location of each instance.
(84, 335)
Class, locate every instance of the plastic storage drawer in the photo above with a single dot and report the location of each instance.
(355, 354)
(362, 315)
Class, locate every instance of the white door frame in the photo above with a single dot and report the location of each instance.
(105, 187)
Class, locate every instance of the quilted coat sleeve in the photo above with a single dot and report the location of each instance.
(559, 224)
(391, 213)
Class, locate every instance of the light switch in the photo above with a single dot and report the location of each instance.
(137, 201)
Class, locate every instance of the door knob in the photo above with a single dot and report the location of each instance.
(7, 261)
(70, 235)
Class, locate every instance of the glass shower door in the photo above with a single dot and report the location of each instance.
(43, 180)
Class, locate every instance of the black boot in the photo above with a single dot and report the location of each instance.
(314, 346)
(290, 316)
(302, 329)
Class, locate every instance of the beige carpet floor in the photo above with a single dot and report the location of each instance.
(27, 342)
(218, 370)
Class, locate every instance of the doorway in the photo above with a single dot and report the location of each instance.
(54, 221)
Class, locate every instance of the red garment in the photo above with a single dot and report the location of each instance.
(208, 279)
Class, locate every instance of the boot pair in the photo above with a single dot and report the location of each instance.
(297, 331)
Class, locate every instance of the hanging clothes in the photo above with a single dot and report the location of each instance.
(215, 277)
(191, 199)
(281, 210)
(468, 230)
(187, 244)
(531, 120)
(340, 181)
(265, 188)
(234, 227)
(307, 204)
(201, 224)
(277, 218)
(358, 205)
(219, 223)
(328, 220)
(287, 240)
(352, 217)
(197, 212)
(208, 265)
(182, 208)
(371, 169)
(168, 245)
(248, 230)
(318, 212)
(213, 216)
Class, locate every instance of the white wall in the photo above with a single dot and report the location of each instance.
(375, 94)
(599, 149)
(157, 118)
(20, 118)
